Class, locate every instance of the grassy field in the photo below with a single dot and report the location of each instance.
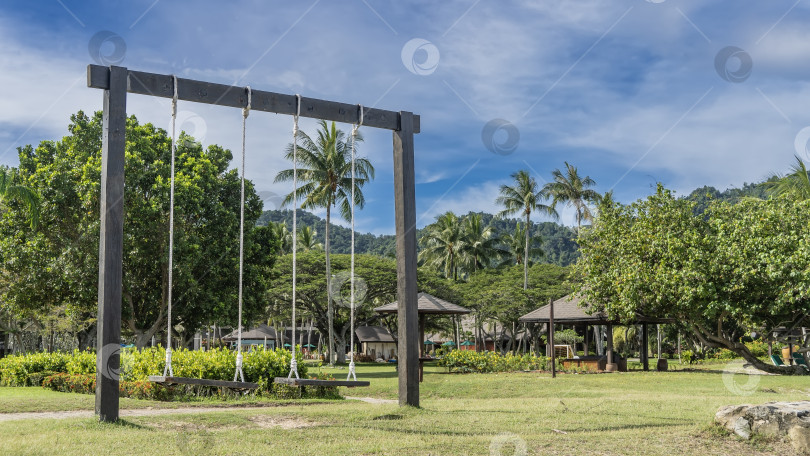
(639, 413)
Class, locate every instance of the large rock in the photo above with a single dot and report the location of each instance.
(772, 418)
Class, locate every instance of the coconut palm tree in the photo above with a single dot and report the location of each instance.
(525, 197)
(482, 246)
(795, 184)
(324, 176)
(572, 190)
(9, 191)
(307, 240)
(442, 244)
(515, 243)
(281, 232)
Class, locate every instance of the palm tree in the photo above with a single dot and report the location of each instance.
(524, 197)
(324, 172)
(281, 232)
(10, 191)
(442, 243)
(515, 246)
(796, 184)
(481, 244)
(307, 240)
(572, 190)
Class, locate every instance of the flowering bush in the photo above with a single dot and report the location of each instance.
(471, 361)
(17, 370)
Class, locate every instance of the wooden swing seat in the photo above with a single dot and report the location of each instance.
(313, 382)
(202, 382)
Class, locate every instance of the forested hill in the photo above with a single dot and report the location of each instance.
(705, 195)
(558, 241)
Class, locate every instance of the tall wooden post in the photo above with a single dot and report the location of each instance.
(551, 338)
(644, 347)
(405, 206)
(610, 344)
(111, 246)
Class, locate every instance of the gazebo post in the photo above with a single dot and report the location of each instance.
(610, 344)
(644, 343)
(551, 338)
(587, 342)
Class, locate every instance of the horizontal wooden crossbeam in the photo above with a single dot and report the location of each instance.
(314, 382)
(201, 382)
(162, 85)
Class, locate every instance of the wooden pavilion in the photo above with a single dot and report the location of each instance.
(572, 310)
(426, 305)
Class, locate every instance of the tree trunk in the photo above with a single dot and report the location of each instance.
(526, 254)
(329, 309)
(739, 348)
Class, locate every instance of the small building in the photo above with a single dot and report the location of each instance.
(377, 342)
(261, 336)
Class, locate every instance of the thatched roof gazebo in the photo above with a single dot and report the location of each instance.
(426, 305)
(573, 310)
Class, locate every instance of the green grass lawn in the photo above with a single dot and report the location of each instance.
(635, 413)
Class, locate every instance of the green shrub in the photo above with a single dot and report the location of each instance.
(15, 370)
(82, 362)
(687, 357)
(758, 348)
(470, 361)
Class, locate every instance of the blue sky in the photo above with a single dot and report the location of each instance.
(631, 92)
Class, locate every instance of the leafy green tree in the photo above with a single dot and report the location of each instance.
(58, 265)
(573, 190)
(736, 268)
(284, 236)
(524, 196)
(325, 178)
(378, 275)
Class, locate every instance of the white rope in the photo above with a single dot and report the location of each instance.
(168, 367)
(245, 113)
(352, 373)
(293, 361)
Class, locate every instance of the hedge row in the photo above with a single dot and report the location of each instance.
(86, 384)
(471, 361)
(259, 366)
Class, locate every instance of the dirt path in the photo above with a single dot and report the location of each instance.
(372, 400)
(123, 413)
